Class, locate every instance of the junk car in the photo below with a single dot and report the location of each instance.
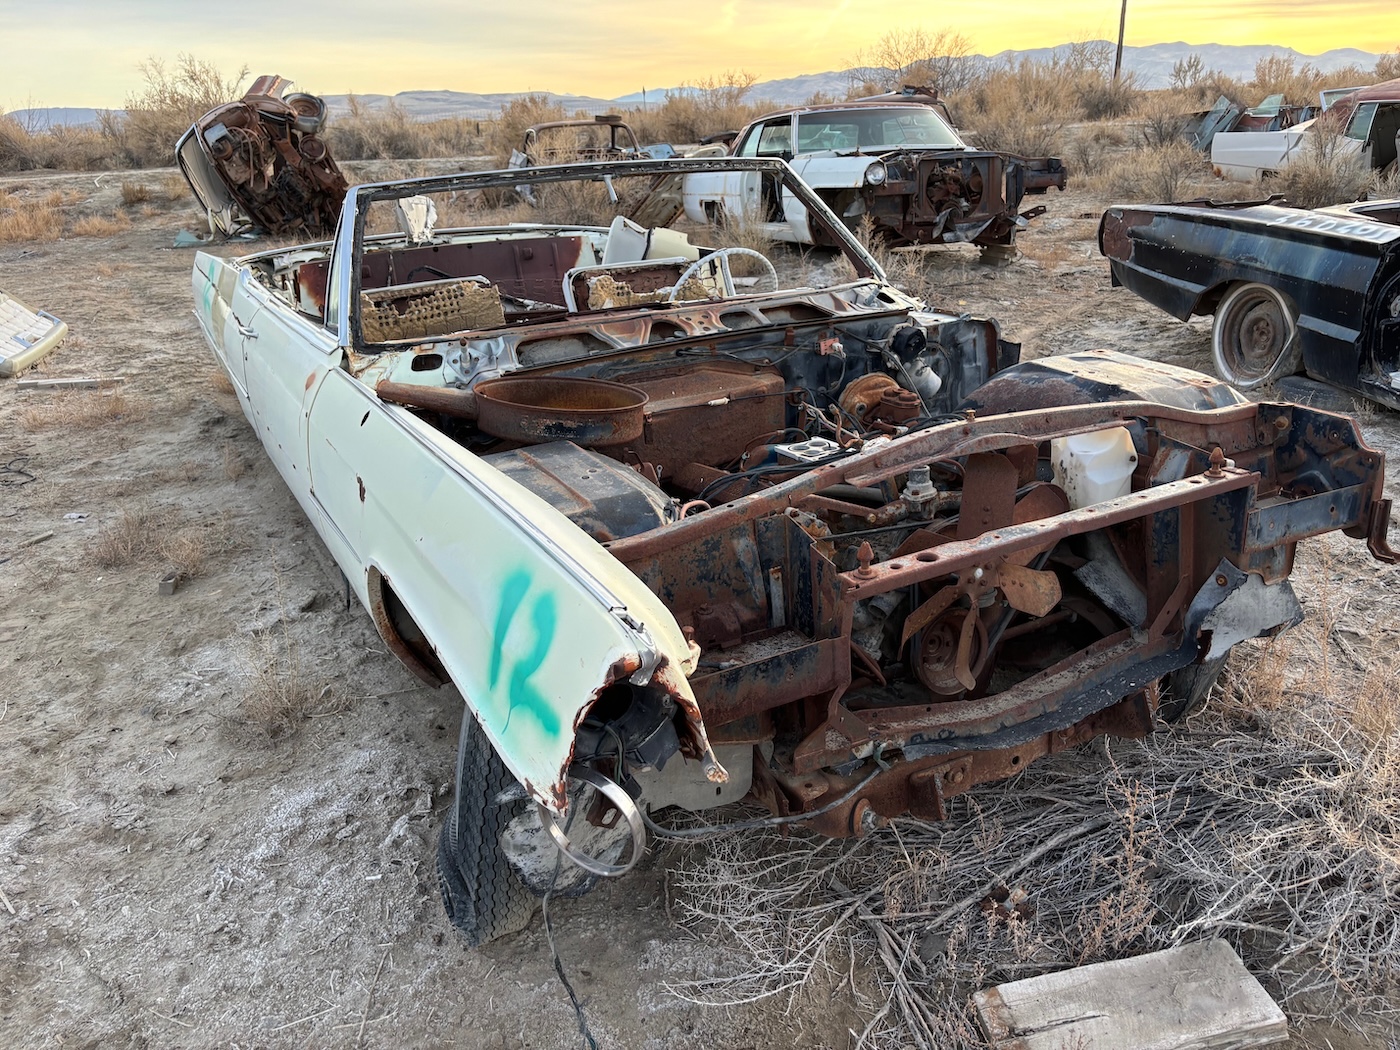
(261, 163)
(684, 528)
(1367, 121)
(1294, 293)
(892, 161)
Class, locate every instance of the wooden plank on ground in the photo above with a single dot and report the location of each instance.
(84, 383)
(1196, 997)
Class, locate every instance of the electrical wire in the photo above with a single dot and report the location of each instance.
(587, 1036)
(771, 468)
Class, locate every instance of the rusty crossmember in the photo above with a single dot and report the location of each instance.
(887, 459)
(961, 554)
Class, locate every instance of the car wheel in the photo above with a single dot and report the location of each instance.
(1254, 339)
(483, 898)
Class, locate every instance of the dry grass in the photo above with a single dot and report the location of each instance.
(280, 691)
(135, 192)
(234, 465)
(1270, 819)
(100, 225)
(82, 408)
(135, 535)
(174, 188)
(22, 221)
(1324, 174)
(148, 534)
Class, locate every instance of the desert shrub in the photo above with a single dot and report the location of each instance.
(1160, 117)
(1325, 173)
(1024, 108)
(22, 220)
(16, 145)
(1299, 85)
(1157, 173)
(1026, 105)
(1388, 68)
(100, 225)
(388, 133)
(24, 147)
(1188, 72)
(707, 107)
(517, 115)
(164, 109)
(941, 60)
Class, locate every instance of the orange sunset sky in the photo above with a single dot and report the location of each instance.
(85, 53)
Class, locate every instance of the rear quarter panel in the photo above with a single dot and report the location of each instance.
(1182, 258)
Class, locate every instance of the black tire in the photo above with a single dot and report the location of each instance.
(1185, 689)
(480, 893)
(1254, 339)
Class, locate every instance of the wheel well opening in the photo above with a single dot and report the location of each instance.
(401, 632)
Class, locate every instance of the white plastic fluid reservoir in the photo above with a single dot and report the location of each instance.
(1094, 467)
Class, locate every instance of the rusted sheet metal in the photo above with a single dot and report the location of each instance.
(588, 412)
(1207, 544)
(267, 151)
(923, 786)
(881, 461)
(987, 548)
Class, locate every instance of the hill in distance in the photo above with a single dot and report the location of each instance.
(1152, 66)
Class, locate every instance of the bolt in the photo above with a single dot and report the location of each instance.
(1220, 580)
(957, 776)
(864, 556)
(1217, 463)
(978, 573)
(970, 415)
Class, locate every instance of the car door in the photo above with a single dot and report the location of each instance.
(286, 357)
(215, 283)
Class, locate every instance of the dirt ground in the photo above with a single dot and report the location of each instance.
(175, 875)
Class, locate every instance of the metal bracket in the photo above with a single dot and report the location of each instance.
(625, 805)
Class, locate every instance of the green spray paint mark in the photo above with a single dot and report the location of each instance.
(544, 619)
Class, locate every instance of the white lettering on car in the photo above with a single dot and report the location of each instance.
(1361, 229)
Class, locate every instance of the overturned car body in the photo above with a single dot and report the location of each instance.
(1293, 293)
(261, 162)
(682, 535)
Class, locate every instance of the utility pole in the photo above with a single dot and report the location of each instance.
(1118, 58)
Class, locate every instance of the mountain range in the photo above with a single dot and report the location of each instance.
(1152, 65)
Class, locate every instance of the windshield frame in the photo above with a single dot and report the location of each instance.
(873, 116)
(351, 230)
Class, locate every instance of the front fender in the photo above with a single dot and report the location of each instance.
(530, 617)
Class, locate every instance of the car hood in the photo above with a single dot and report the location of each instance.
(205, 182)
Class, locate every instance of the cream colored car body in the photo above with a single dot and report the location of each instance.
(530, 617)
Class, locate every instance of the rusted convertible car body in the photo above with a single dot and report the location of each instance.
(1313, 292)
(682, 539)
